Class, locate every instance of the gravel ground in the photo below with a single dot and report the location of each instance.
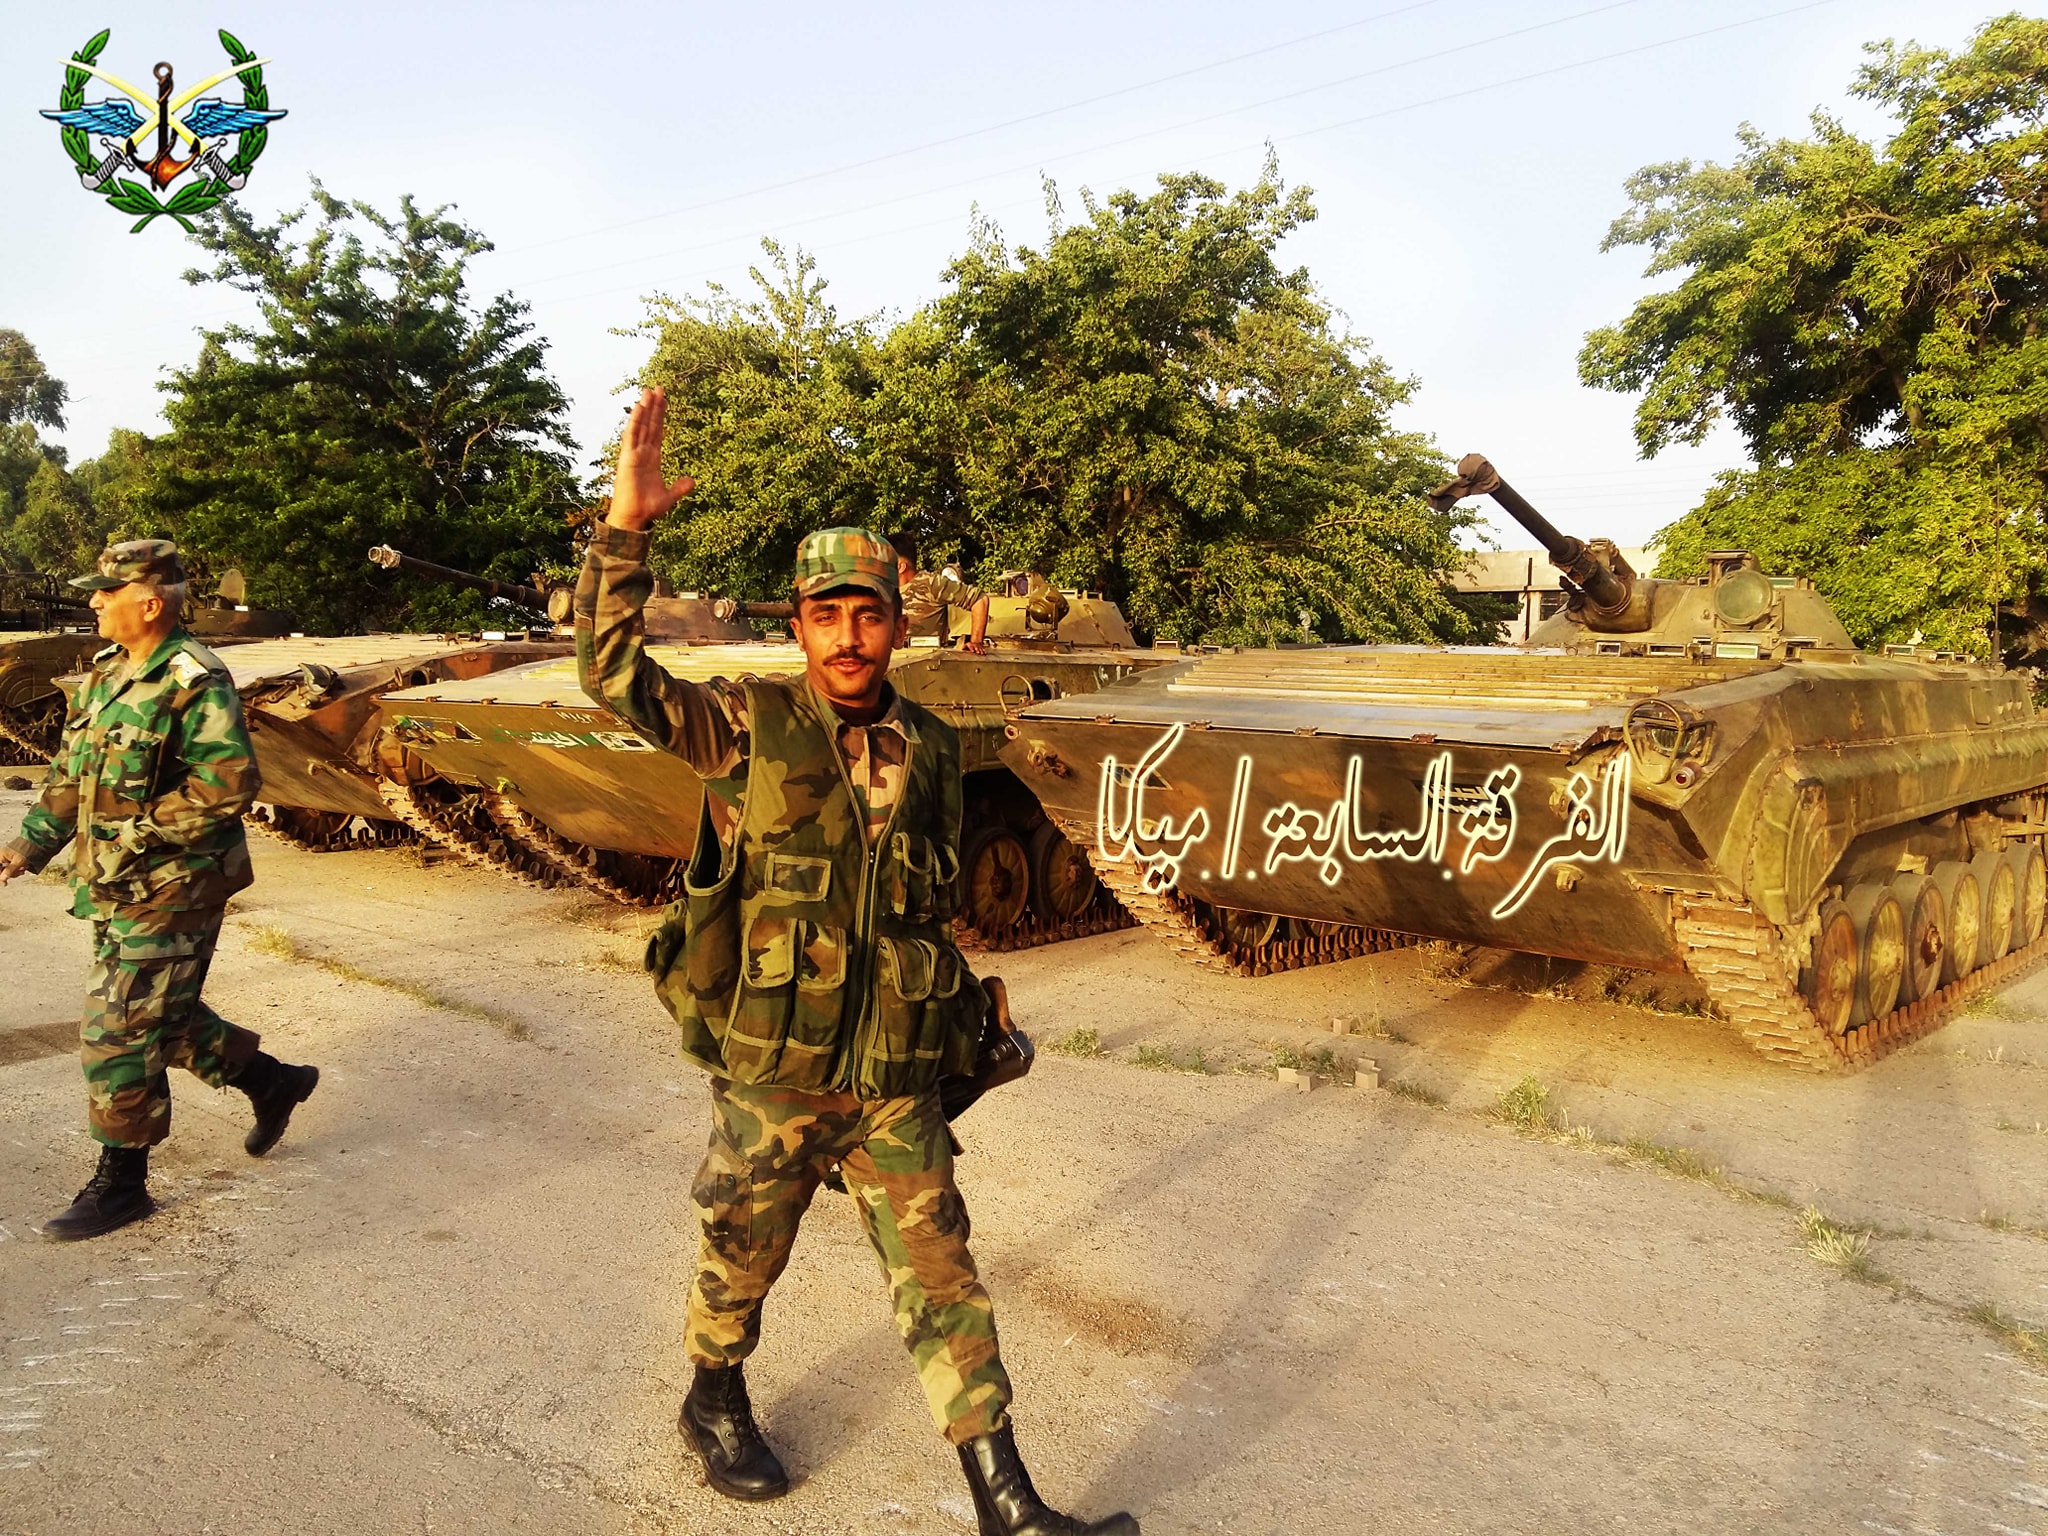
(451, 1300)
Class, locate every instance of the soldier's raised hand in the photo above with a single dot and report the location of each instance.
(639, 494)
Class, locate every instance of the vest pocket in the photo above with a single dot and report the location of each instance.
(913, 869)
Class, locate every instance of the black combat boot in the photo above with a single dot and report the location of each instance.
(274, 1090)
(720, 1423)
(117, 1194)
(1005, 1503)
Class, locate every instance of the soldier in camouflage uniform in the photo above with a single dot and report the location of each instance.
(929, 597)
(147, 790)
(811, 969)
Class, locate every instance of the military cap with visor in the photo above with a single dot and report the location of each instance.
(846, 557)
(151, 560)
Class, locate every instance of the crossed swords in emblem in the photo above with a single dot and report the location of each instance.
(123, 128)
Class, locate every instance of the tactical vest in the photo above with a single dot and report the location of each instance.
(806, 954)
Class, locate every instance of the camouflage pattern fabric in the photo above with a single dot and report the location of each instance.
(149, 785)
(143, 1016)
(845, 557)
(929, 595)
(705, 724)
(769, 1149)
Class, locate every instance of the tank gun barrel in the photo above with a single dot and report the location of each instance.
(511, 591)
(737, 608)
(1477, 477)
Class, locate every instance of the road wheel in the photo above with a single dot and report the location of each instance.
(1926, 936)
(1246, 930)
(1962, 902)
(1995, 880)
(1880, 950)
(1830, 983)
(995, 881)
(1063, 882)
(2030, 892)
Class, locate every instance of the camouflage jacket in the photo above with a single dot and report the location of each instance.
(812, 948)
(149, 784)
(929, 596)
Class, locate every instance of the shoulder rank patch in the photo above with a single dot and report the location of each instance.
(187, 669)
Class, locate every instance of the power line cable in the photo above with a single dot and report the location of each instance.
(1413, 106)
(1150, 133)
(975, 133)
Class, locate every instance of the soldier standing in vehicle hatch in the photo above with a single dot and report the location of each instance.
(929, 598)
(147, 790)
(812, 970)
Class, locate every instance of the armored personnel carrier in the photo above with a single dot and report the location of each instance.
(1704, 776)
(310, 704)
(571, 788)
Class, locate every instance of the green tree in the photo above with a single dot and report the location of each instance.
(766, 399)
(1869, 319)
(375, 402)
(1149, 407)
(58, 529)
(27, 392)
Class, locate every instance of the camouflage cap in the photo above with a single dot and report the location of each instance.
(137, 560)
(845, 557)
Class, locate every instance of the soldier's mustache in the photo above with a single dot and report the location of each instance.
(838, 656)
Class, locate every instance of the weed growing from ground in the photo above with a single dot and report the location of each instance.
(1416, 1093)
(1526, 1107)
(1079, 1041)
(1842, 1247)
(1165, 1058)
(2023, 1338)
(278, 944)
(1322, 1062)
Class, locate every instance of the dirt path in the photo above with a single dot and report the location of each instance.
(450, 1301)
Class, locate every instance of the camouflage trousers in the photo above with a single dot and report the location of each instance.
(769, 1149)
(143, 1016)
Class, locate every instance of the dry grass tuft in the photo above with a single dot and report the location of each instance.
(1167, 1058)
(1079, 1041)
(1841, 1247)
(1415, 1093)
(2025, 1339)
(278, 944)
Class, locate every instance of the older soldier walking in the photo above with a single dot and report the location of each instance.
(811, 968)
(147, 790)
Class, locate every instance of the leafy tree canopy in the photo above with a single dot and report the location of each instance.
(27, 392)
(374, 403)
(1869, 319)
(1150, 407)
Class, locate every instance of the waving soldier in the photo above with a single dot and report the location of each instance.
(147, 790)
(812, 971)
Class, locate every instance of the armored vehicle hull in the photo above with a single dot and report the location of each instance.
(31, 703)
(575, 792)
(1677, 776)
(311, 704)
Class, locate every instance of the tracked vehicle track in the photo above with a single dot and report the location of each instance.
(1185, 925)
(1739, 957)
(315, 832)
(565, 856)
(445, 825)
(1105, 915)
(29, 738)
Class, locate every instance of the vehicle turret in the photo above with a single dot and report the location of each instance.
(1732, 610)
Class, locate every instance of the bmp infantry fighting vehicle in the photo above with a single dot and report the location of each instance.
(572, 789)
(311, 709)
(1703, 776)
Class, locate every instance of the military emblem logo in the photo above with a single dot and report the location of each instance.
(189, 130)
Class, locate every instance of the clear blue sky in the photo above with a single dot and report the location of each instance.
(1466, 156)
